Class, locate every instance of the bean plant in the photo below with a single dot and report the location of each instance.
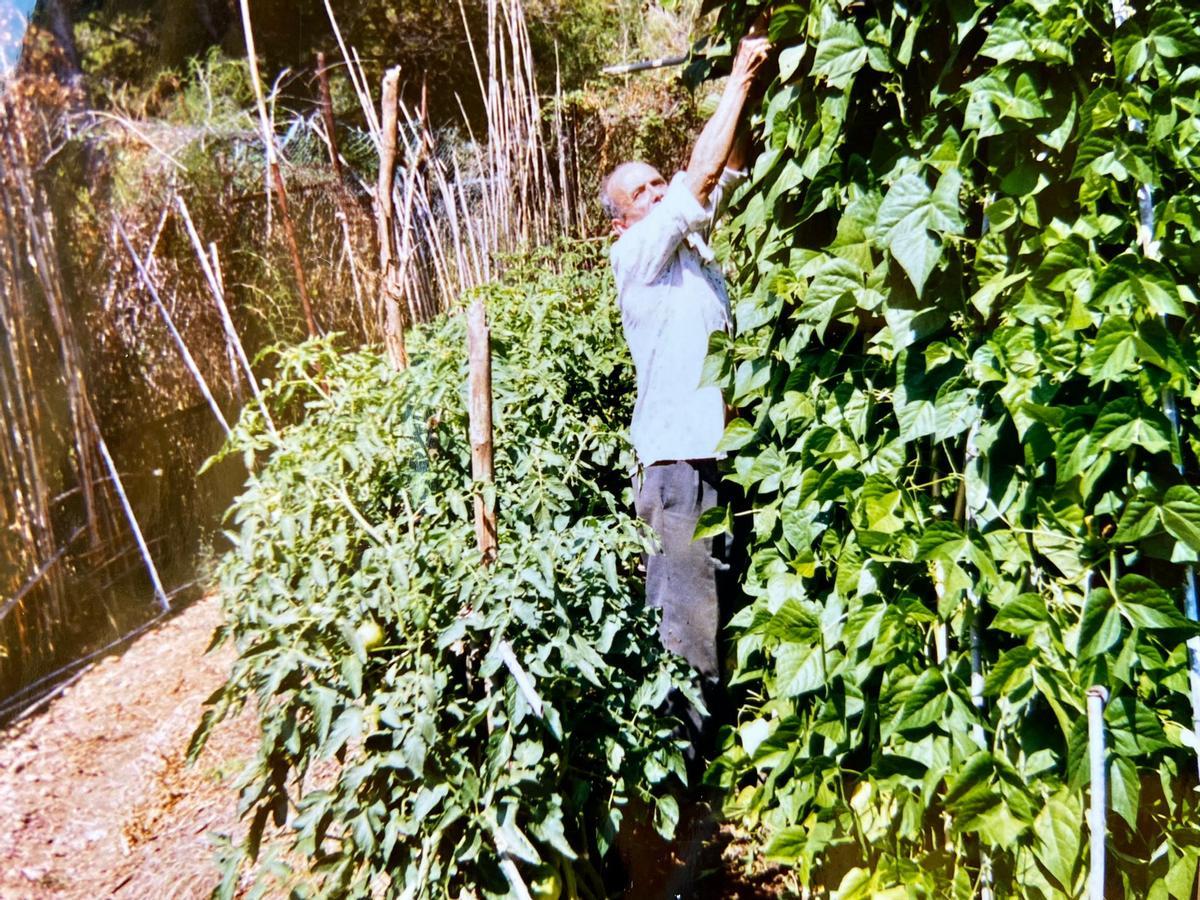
(968, 253)
(399, 750)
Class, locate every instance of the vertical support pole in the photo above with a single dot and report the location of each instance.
(327, 119)
(188, 361)
(1097, 697)
(393, 323)
(1190, 607)
(964, 514)
(479, 412)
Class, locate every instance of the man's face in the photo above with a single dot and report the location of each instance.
(635, 187)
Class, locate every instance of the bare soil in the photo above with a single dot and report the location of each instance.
(95, 797)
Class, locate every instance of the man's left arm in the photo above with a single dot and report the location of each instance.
(717, 140)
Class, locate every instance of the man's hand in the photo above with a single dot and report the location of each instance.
(752, 50)
(713, 147)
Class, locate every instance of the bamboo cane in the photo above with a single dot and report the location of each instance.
(40, 573)
(28, 513)
(275, 175)
(43, 253)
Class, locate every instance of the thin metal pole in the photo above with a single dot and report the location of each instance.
(159, 591)
(1097, 697)
(975, 633)
(188, 361)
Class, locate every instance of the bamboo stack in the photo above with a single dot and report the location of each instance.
(448, 213)
(42, 431)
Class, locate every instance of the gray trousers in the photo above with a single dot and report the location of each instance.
(681, 579)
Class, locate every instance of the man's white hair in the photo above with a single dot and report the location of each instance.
(607, 201)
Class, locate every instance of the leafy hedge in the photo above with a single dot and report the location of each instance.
(367, 632)
(953, 366)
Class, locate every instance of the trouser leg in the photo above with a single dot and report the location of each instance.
(681, 580)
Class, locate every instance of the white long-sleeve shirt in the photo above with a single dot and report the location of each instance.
(672, 297)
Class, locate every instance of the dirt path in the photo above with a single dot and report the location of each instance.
(95, 797)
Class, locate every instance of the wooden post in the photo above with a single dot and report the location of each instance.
(479, 413)
(327, 118)
(393, 325)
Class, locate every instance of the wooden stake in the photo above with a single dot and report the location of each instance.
(327, 118)
(393, 326)
(479, 413)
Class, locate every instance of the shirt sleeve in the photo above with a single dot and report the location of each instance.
(727, 183)
(641, 254)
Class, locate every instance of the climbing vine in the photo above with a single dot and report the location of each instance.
(968, 255)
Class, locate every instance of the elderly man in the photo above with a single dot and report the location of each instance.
(672, 298)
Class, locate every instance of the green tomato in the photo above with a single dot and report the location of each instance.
(371, 717)
(369, 634)
(546, 885)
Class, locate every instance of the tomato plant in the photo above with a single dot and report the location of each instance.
(956, 365)
(358, 512)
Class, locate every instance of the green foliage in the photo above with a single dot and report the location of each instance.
(953, 363)
(359, 515)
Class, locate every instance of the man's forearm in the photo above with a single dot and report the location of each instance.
(739, 155)
(716, 140)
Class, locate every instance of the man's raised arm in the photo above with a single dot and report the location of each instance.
(716, 140)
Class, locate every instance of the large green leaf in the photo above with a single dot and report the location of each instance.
(1056, 834)
(840, 52)
(913, 218)
(1130, 283)
(799, 669)
(1100, 625)
(1181, 514)
(1147, 605)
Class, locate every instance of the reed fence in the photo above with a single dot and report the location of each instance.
(130, 320)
